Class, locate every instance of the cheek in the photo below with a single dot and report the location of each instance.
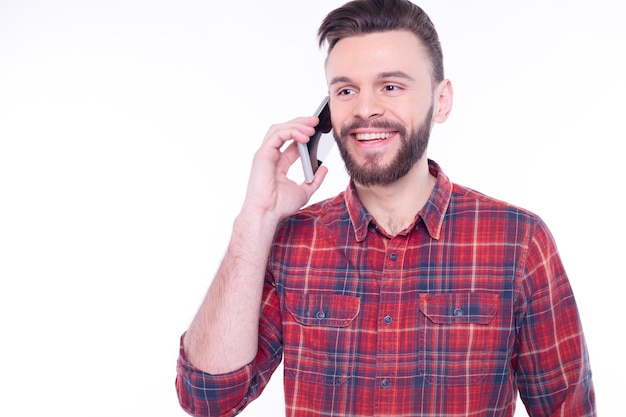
(339, 116)
(423, 113)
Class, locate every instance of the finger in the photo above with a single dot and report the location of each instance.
(274, 140)
(318, 179)
(299, 129)
(290, 155)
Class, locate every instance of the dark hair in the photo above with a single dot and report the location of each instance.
(360, 17)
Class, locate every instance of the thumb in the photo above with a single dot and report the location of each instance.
(313, 186)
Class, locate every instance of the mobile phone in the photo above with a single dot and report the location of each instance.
(309, 151)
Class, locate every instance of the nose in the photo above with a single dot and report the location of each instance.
(367, 106)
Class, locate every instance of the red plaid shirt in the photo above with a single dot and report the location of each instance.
(450, 318)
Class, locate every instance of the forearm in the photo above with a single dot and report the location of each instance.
(223, 336)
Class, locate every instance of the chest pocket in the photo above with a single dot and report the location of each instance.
(317, 337)
(458, 337)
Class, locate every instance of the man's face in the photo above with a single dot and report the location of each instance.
(381, 104)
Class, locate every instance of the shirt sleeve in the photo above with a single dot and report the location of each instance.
(202, 394)
(553, 370)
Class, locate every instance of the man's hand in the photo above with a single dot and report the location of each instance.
(269, 189)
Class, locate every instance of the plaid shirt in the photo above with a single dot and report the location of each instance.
(450, 318)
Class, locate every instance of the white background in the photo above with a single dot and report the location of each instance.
(126, 135)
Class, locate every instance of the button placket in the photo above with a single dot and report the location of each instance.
(388, 343)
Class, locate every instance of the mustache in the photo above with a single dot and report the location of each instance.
(375, 124)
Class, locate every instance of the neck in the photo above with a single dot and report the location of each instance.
(395, 206)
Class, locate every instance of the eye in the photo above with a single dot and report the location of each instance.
(345, 92)
(392, 87)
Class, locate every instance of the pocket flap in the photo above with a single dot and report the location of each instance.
(334, 310)
(459, 307)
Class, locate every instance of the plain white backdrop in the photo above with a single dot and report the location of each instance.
(127, 130)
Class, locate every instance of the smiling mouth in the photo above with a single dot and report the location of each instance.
(373, 137)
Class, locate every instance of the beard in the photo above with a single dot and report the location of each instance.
(371, 172)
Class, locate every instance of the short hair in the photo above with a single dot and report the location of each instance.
(359, 17)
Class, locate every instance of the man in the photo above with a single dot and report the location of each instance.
(406, 294)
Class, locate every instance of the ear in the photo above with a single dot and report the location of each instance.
(442, 101)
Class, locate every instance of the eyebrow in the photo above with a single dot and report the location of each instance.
(381, 76)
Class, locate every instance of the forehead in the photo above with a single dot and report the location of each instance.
(365, 56)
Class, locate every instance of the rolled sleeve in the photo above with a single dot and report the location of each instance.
(204, 394)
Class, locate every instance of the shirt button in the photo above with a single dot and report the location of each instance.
(320, 315)
(393, 256)
(387, 319)
(385, 383)
(458, 311)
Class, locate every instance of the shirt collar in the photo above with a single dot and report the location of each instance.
(432, 214)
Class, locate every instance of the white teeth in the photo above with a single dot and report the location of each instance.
(372, 136)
